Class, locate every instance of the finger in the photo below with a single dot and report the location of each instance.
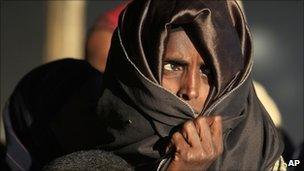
(179, 142)
(217, 135)
(191, 134)
(203, 128)
(205, 133)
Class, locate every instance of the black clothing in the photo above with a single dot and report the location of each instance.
(52, 110)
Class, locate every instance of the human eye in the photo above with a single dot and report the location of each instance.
(172, 66)
(205, 71)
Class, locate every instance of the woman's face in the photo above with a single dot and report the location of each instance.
(184, 72)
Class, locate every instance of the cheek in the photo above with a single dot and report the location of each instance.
(204, 91)
(171, 84)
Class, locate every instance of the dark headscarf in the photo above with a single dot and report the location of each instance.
(52, 113)
(140, 114)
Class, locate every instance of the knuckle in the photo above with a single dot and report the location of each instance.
(175, 136)
(202, 156)
(210, 120)
(178, 149)
(187, 125)
(218, 118)
(200, 120)
(177, 158)
(189, 157)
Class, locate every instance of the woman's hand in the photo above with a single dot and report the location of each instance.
(197, 144)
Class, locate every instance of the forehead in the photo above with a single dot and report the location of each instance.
(179, 45)
(178, 38)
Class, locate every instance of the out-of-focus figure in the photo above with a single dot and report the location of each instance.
(99, 39)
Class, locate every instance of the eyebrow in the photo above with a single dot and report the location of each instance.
(180, 61)
(176, 61)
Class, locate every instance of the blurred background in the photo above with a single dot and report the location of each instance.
(35, 32)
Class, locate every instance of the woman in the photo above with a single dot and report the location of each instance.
(176, 94)
(157, 89)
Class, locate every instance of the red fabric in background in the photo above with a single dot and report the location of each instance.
(110, 18)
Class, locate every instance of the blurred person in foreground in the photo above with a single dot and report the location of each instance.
(93, 160)
(176, 94)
